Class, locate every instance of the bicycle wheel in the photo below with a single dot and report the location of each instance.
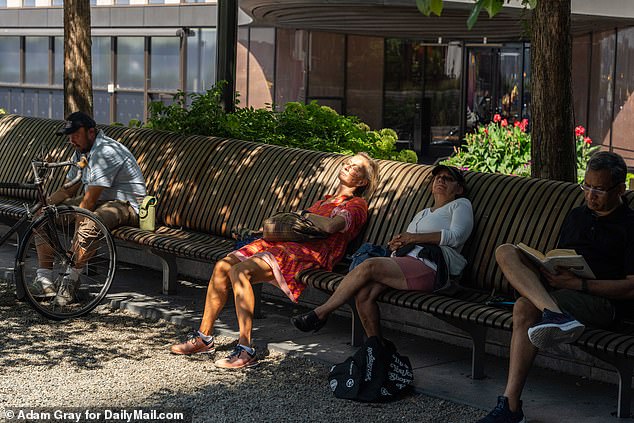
(85, 269)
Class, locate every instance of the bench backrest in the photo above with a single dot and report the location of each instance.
(213, 185)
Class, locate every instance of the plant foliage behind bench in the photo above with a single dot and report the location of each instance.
(308, 126)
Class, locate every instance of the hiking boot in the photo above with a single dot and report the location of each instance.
(503, 414)
(66, 291)
(195, 344)
(42, 285)
(555, 328)
(238, 359)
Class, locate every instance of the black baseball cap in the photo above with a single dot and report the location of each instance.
(453, 171)
(74, 121)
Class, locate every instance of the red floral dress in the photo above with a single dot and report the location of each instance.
(289, 258)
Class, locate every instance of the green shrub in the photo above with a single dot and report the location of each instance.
(501, 148)
(307, 126)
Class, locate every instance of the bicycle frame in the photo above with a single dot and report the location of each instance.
(42, 203)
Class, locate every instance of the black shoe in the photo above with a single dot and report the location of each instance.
(503, 414)
(308, 321)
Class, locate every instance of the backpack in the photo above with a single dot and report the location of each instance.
(375, 373)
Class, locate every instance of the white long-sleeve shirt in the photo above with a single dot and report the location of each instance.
(454, 221)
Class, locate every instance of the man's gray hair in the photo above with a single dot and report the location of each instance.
(612, 162)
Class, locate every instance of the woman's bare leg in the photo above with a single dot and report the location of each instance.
(242, 276)
(381, 270)
(217, 293)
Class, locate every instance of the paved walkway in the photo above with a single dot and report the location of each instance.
(441, 371)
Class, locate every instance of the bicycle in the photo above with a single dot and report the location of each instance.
(50, 238)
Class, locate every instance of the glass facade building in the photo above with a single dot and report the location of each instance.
(430, 92)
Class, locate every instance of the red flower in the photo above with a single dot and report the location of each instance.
(516, 124)
(497, 117)
(587, 140)
(580, 131)
(486, 131)
(504, 123)
(524, 124)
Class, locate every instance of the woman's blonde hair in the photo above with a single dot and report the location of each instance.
(372, 176)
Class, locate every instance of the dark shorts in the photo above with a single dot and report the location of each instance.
(418, 275)
(588, 309)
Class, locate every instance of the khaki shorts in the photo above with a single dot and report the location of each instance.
(588, 309)
(112, 214)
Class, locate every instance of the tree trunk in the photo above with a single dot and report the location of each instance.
(77, 57)
(552, 134)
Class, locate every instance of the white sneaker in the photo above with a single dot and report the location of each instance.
(42, 285)
(67, 288)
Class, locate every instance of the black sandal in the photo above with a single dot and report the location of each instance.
(308, 322)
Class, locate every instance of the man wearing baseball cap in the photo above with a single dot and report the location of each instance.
(112, 186)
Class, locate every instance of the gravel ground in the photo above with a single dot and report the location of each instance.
(117, 360)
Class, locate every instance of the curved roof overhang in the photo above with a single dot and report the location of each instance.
(401, 18)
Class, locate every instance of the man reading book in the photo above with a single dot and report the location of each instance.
(555, 308)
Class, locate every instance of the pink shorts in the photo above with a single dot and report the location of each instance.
(418, 275)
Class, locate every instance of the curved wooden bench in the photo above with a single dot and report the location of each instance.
(207, 186)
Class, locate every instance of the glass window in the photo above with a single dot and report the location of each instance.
(290, 84)
(101, 62)
(165, 63)
(29, 102)
(242, 66)
(580, 78)
(36, 60)
(201, 60)
(601, 88)
(122, 1)
(43, 104)
(623, 124)
(403, 94)
(510, 103)
(130, 62)
(57, 107)
(3, 3)
(364, 92)
(28, 3)
(58, 61)
(10, 63)
(261, 66)
(156, 1)
(5, 99)
(58, 2)
(129, 106)
(326, 76)
(443, 67)
(101, 106)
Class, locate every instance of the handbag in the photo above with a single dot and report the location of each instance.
(147, 213)
(375, 373)
(290, 227)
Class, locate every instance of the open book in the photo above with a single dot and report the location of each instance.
(568, 259)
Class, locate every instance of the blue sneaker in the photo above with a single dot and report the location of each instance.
(555, 328)
(503, 414)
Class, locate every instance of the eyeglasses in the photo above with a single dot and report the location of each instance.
(600, 192)
(444, 178)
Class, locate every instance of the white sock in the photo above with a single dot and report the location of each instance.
(73, 274)
(207, 338)
(250, 350)
(45, 273)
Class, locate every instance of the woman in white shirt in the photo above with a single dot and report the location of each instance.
(425, 256)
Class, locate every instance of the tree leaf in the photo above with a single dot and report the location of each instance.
(424, 6)
(492, 6)
(473, 17)
(436, 7)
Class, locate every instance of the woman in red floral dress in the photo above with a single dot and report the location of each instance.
(342, 215)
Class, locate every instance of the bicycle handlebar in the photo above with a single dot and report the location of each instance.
(81, 164)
